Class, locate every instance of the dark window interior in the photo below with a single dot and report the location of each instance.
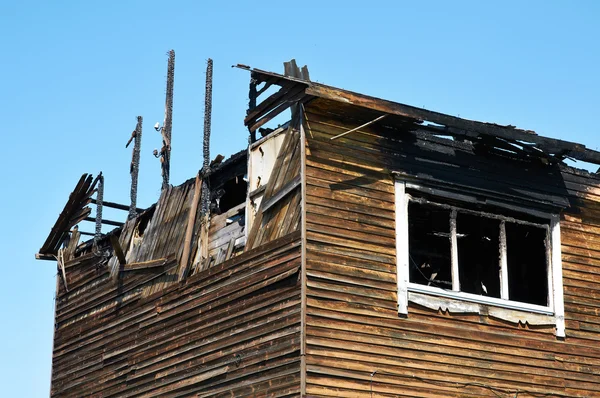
(478, 246)
(429, 242)
(143, 221)
(478, 254)
(235, 193)
(527, 269)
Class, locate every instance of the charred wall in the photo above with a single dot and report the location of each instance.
(356, 343)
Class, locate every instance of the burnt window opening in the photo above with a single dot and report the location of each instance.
(142, 222)
(233, 194)
(526, 258)
(503, 256)
(478, 241)
(429, 234)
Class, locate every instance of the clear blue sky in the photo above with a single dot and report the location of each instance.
(75, 75)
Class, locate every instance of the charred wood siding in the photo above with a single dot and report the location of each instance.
(280, 212)
(352, 325)
(230, 330)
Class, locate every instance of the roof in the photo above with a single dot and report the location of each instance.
(295, 89)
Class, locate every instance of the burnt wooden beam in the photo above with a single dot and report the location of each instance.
(114, 241)
(257, 191)
(72, 214)
(58, 231)
(135, 166)
(206, 166)
(189, 231)
(81, 214)
(60, 259)
(268, 83)
(168, 122)
(104, 221)
(100, 199)
(252, 96)
(41, 256)
(294, 95)
(118, 206)
(269, 102)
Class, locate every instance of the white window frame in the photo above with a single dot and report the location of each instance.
(456, 301)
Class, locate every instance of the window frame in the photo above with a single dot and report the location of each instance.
(456, 301)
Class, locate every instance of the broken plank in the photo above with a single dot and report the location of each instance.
(114, 241)
(143, 265)
(284, 191)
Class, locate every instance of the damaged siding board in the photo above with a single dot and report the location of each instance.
(356, 343)
(232, 329)
(282, 216)
(163, 236)
(261, 161)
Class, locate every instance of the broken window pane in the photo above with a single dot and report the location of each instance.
(479, 251)
(429, 242)
(478, 254)
(526, 257)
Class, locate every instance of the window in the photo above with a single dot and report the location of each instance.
(459, 252)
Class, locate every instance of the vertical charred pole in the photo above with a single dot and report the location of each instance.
(135, 165)
(99, 199)
(167, 125)
(206, 140)
(252, 94)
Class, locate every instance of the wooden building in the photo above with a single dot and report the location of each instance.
(364, 249)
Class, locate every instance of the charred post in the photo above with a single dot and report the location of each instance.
(206, 140)
(99, 198)
(167, 125)
(252, 94)
(135, 165)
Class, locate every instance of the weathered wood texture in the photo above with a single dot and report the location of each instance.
(230, 330)
(279, 213)
(157, 234)
(356, 345)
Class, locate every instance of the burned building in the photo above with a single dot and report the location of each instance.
(365, 248)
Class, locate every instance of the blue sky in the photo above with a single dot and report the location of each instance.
(75, 75)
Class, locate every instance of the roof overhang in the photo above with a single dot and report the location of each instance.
(294, 89)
